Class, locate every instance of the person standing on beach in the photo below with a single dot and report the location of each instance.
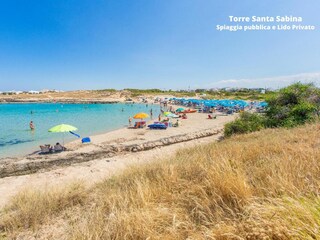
(151, 113)
(130, 121)
(31, 125)
(159, 117)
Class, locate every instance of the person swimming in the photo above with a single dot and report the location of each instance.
(31, 125)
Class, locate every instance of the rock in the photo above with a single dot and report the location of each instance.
(27, 166)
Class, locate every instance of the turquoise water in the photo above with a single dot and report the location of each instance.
(16, 138)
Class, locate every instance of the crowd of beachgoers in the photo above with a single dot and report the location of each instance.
(225, 105)
(173, 109)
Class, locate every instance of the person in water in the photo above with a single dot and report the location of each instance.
(31, 125)
(130, 121)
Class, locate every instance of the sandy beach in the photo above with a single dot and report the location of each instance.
(96, 165)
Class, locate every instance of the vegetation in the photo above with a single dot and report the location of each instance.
(238, 94)
(106, 90)
(291, 106)
(263, 185)
(141, 92)
(247, 122)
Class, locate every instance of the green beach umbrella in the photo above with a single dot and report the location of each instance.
(62, 128)
(166, 113)
(180, 110)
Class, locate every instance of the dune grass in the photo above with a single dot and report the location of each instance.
(263, 185)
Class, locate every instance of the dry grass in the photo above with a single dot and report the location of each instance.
(262, 185)
(31, 208)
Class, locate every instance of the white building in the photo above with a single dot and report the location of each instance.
(33, 92)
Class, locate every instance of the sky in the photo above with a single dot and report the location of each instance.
(166, 44)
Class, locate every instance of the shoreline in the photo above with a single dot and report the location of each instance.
(24, 153)
(32, 164)
(108, 154)
(76, 147)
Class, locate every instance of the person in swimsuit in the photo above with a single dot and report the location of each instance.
(31, 125)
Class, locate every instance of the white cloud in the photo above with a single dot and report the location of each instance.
(270, 82)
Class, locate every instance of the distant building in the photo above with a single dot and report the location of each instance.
(33, 92)
(44, 91)
(13, 92)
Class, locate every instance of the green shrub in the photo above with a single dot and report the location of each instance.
(247, 122)
(293, 105)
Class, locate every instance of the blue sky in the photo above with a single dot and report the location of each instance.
(168, 44)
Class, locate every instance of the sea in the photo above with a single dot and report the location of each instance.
(16, 138)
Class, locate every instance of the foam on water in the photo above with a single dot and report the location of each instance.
(17, 139)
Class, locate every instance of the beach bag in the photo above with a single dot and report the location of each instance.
(86, 140)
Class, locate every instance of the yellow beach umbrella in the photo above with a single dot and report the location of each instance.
(141, 115)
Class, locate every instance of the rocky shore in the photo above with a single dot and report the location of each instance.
(28, 166)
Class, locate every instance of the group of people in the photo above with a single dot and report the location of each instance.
(47, 148)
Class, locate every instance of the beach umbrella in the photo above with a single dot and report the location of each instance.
(62, 128)
(141, 115)
(166, 113)
(171, 115)
(180, 110)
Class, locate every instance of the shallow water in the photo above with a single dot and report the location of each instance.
(16, 138)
